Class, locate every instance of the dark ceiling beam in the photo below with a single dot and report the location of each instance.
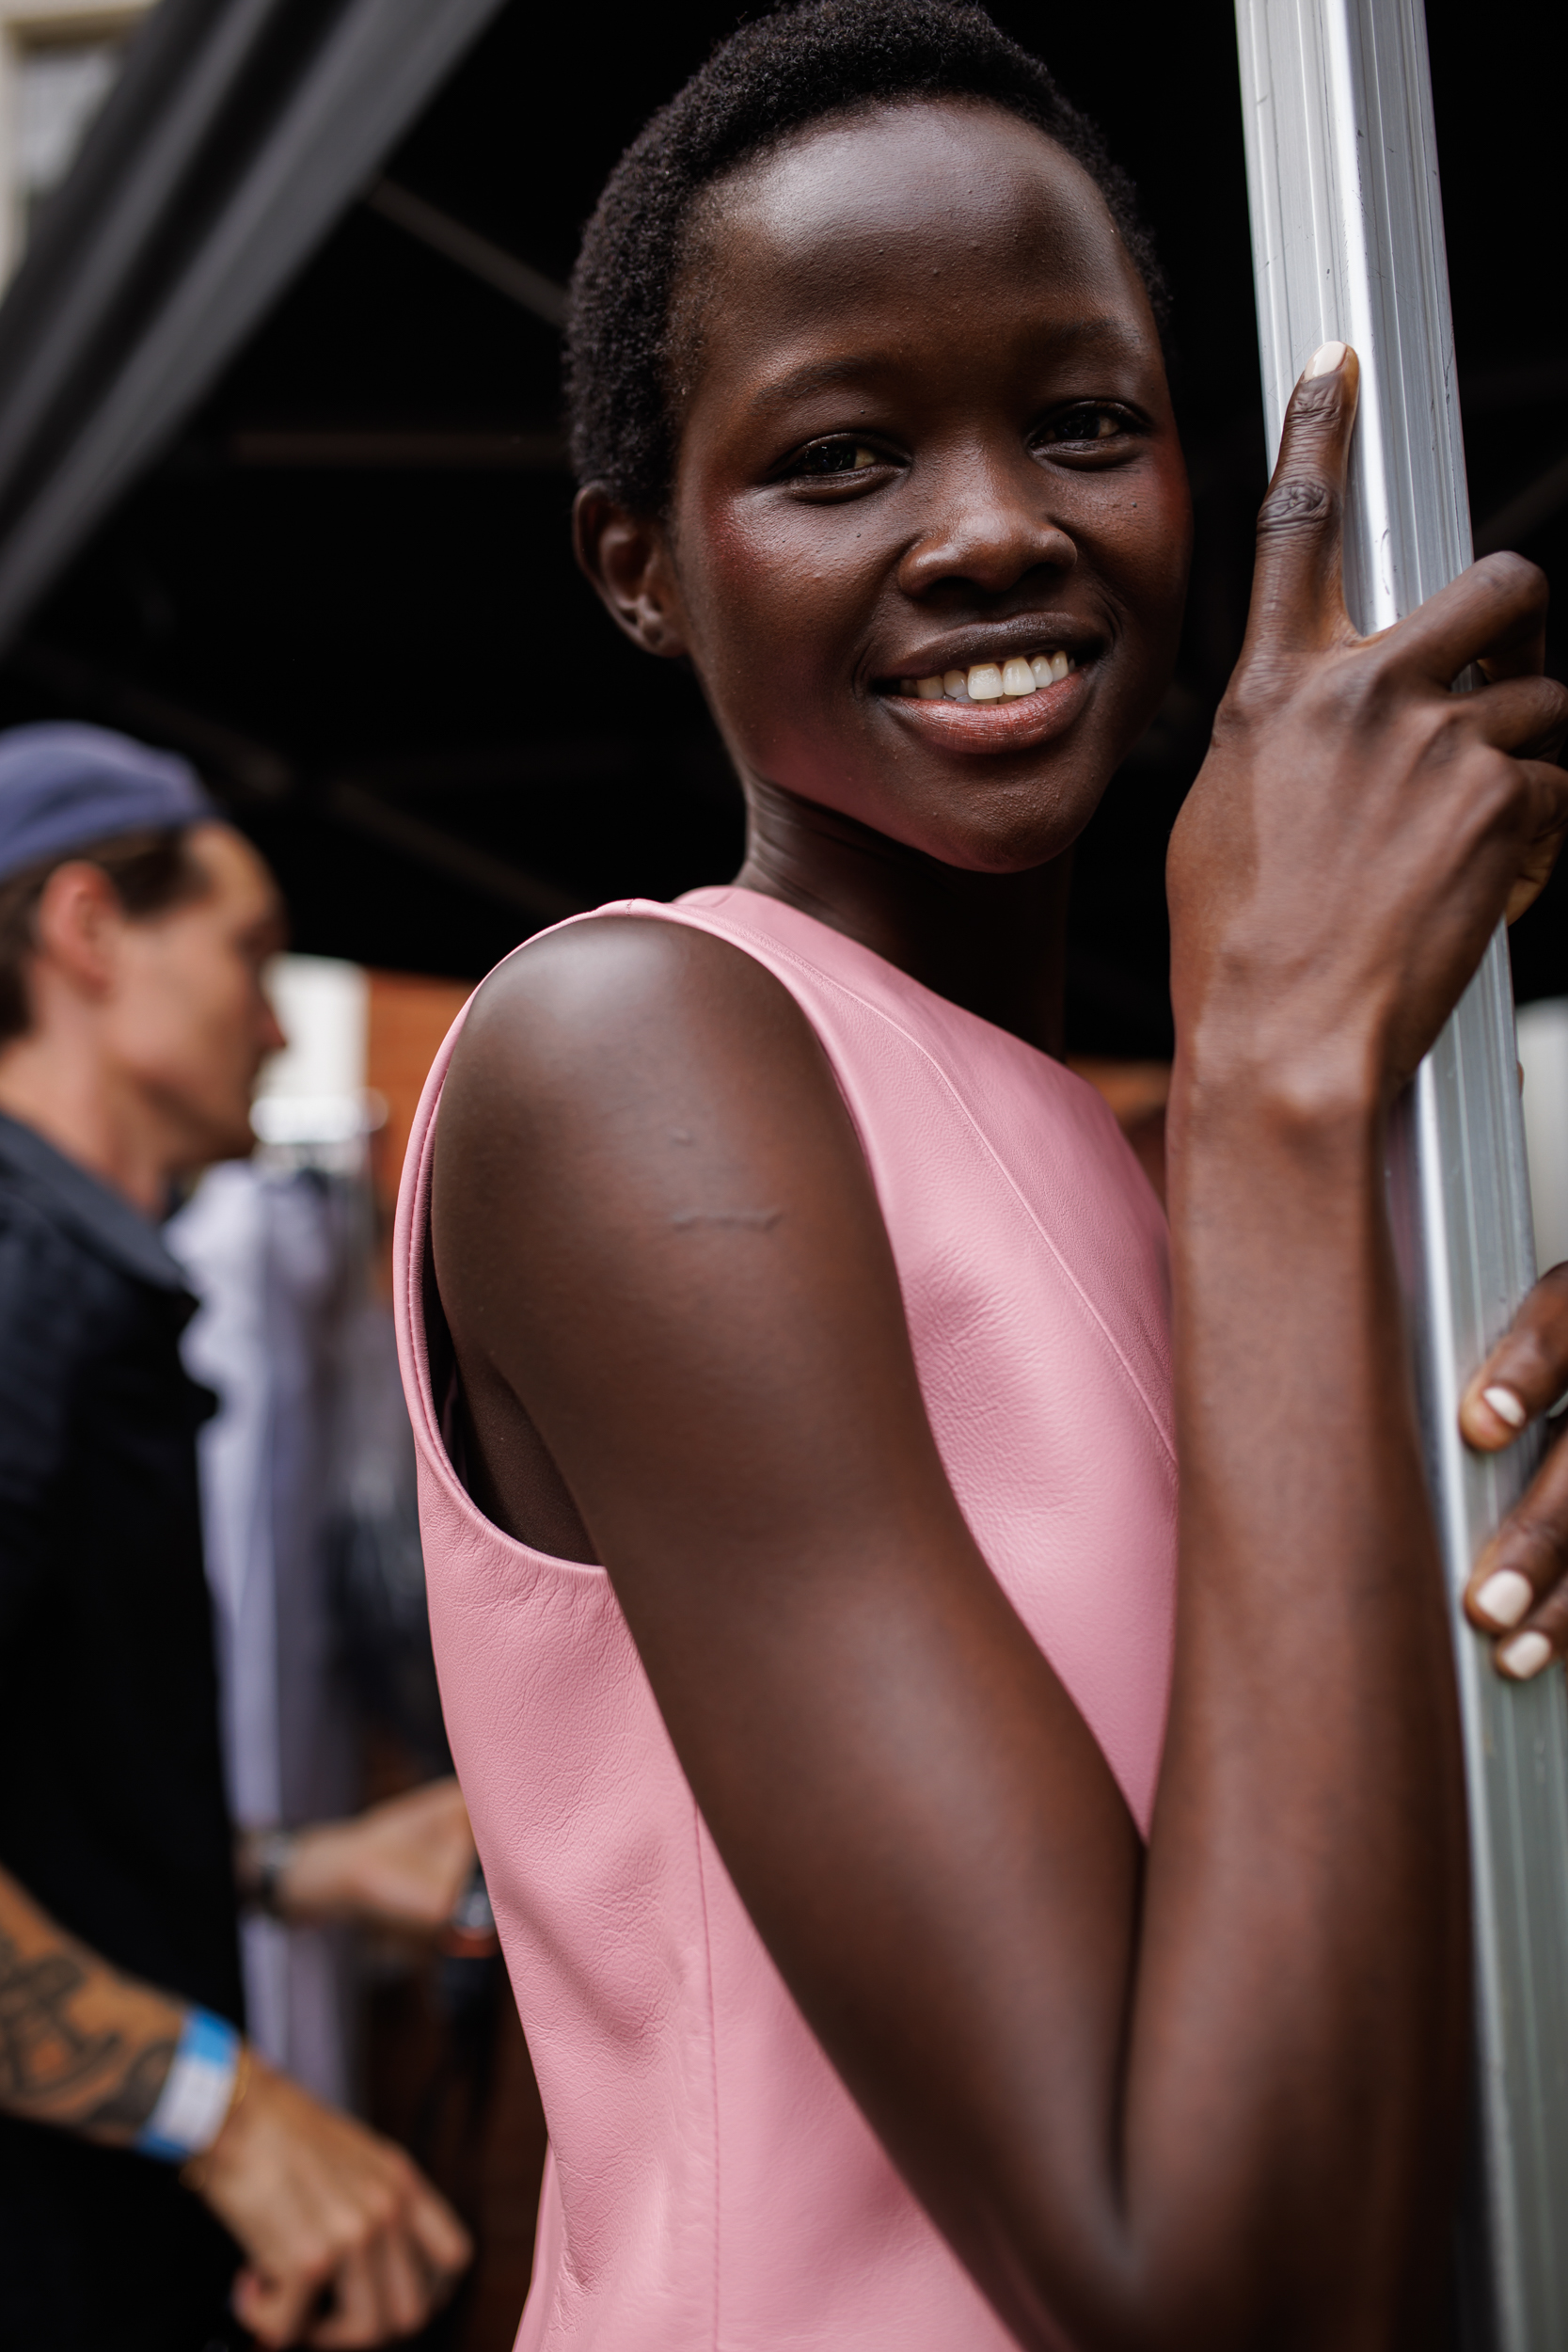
(238, 769)
(519, 280)
(541, 452)
(243, 772)
(237, 134)
(431, 846)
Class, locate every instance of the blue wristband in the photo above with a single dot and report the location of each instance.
(193, 2105)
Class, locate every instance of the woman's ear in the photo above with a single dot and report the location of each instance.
(626, 557)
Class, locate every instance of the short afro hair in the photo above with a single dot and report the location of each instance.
(772, 78)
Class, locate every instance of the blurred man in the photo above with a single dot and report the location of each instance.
(139, 2138)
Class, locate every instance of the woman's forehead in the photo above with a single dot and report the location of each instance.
(941, 178)
(898, 229)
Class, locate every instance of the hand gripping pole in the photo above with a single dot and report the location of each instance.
(1347, 240)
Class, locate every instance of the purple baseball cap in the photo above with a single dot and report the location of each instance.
(64, 787)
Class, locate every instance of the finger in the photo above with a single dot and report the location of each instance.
(1495, 612)
(1527, 717)
(1534, 874)
(357, 2314)
(1517, 1587)
(1541, 1637)
(408, 2294)
(272, 2311)
(443, 2243)
(1297, 585)
(1540, 838)
(1525, 1372)
(1526, 658)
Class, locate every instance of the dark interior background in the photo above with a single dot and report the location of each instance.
(349, 590)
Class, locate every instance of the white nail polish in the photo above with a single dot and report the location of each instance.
(1507, 1406)
(1505, 1597)
(1323, 361)
(1524, 1655)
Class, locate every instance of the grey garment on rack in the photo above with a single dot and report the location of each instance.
(275, 1259)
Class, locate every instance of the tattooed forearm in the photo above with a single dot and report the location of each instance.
(44, 2054)
(127, 2108)
(81, 2046)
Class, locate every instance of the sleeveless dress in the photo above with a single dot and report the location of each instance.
(711, 2184)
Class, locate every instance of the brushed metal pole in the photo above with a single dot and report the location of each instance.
(1347, 238)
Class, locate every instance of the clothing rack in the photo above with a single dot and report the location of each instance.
(1347, 237)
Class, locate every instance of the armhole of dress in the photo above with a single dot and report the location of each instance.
(441, 1357)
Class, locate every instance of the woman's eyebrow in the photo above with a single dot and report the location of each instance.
(817, 376)
(1110, 337)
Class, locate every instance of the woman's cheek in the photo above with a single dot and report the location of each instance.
(1158, 555)
(769, 623)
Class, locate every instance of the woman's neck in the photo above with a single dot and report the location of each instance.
(995, 944)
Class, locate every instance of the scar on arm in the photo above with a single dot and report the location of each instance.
(760, 1221)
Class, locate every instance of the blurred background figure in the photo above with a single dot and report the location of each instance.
(311, 1528)
(318, 1583)
(135, 926)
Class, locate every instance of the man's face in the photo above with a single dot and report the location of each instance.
(189, 1022)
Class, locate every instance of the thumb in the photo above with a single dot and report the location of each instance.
(273, 2312)
(1297, 587)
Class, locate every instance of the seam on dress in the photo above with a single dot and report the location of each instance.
(698, 1826)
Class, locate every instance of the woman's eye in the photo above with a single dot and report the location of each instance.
(830, 457)
(1079, 426)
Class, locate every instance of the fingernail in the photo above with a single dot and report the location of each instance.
(1504, 1597)
(1323, 361)
(1508, 1406)
(1524, 1655)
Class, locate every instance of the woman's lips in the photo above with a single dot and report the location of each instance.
(1000, 726)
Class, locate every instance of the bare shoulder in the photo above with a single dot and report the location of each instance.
(624, 1015)
(648, 1193)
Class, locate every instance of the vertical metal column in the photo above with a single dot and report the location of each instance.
(1347, 235)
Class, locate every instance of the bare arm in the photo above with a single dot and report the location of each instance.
(320, 2204)
(1208, 2098)
(81, 2045)
(399, 1866)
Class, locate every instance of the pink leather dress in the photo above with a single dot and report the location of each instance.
(710, 2183)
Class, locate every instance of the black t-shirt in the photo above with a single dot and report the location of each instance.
(112, 1811)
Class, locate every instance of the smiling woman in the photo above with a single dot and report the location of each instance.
(956, 1891)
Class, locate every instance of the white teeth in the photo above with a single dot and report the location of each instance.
(993, 681)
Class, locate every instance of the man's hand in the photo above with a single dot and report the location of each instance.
(345, 2241)
(1519, 1586)
(400, 1866)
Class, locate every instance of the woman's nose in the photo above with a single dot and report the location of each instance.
(988, 528)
